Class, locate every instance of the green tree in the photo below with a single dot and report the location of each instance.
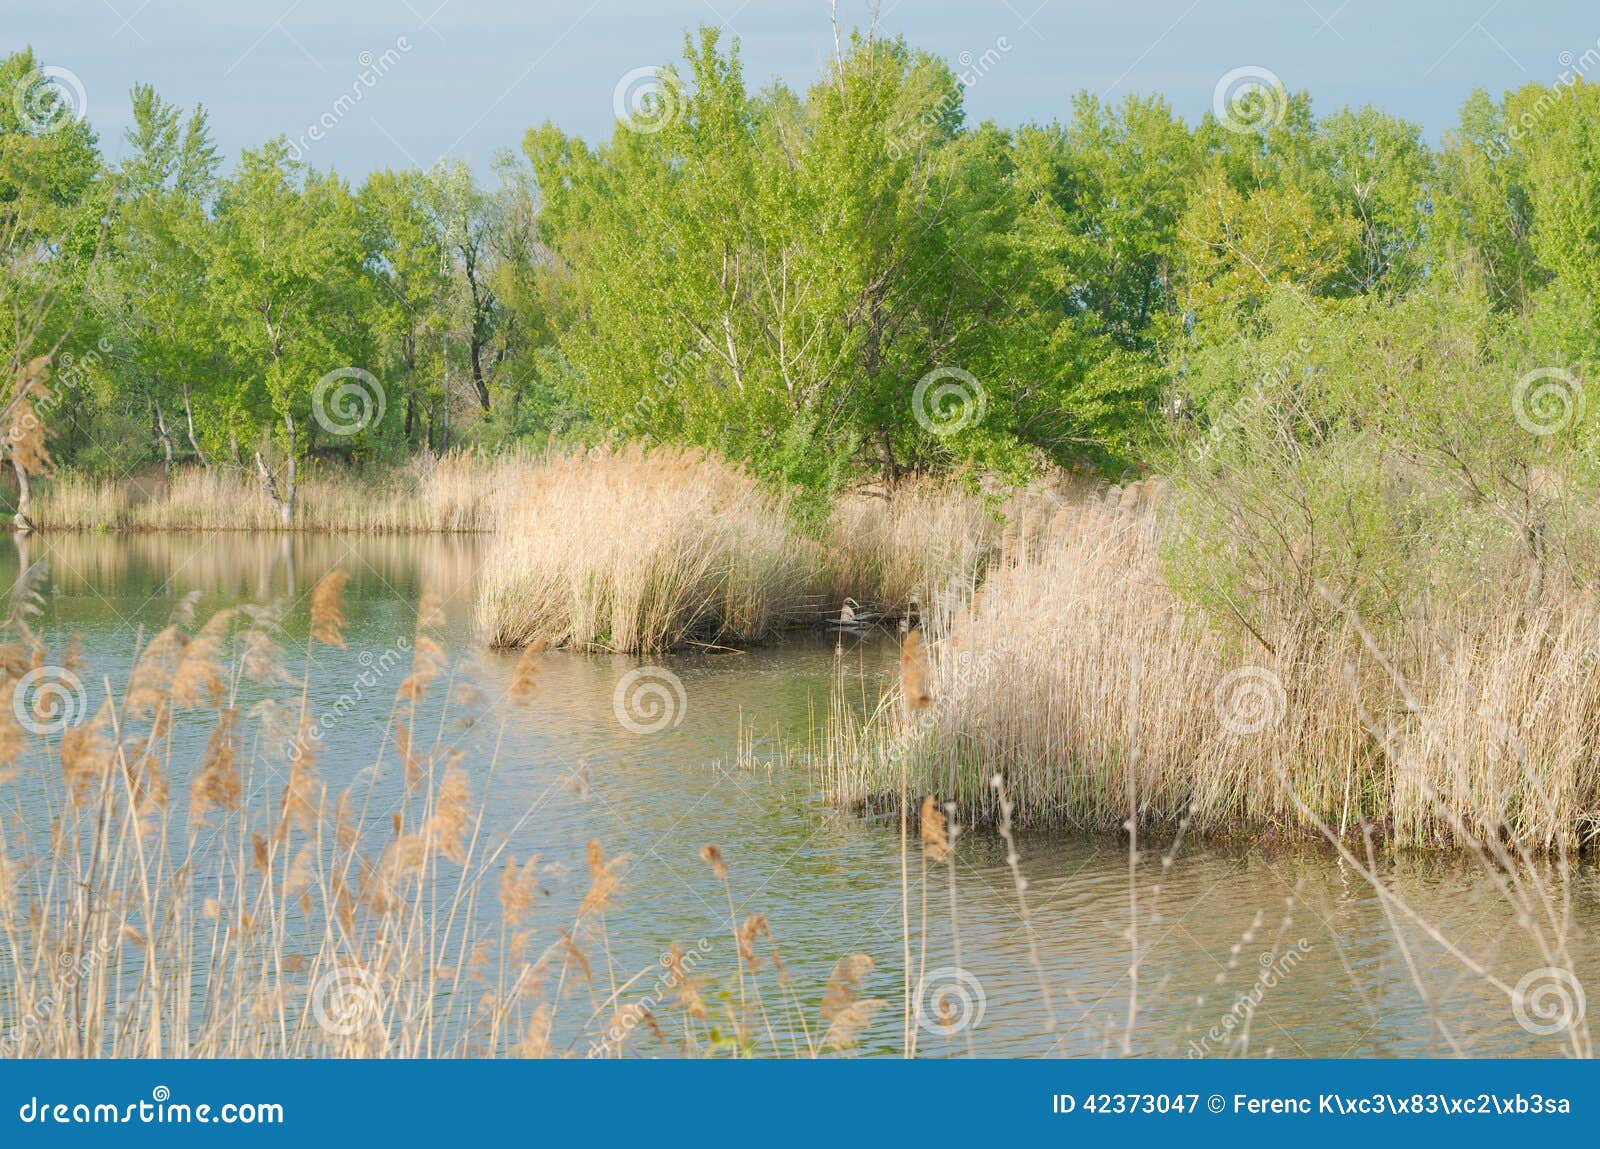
(784, 277)
(409, 319)
(290, 278)
(151, 293)
(52, 197)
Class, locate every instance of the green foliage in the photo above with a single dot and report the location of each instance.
(52, 195)
(844, 281)
(773, 274)
(1378, 455)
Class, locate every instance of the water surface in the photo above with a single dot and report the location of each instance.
(1292, 933)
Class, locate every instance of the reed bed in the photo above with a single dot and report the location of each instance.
(890, 552)
(636, 550)
(1093, 694)
(234, 907)
(623, 549)
(461, 491)
(632, 550)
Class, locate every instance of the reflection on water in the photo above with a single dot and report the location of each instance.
(1293, 933)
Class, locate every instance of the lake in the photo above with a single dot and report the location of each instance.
(644, 755)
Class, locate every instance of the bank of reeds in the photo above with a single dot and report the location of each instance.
(622, 549)
(1083, 683)
(235, 907)
(890, 551)
(631, 550)
(640, 550)
(460, 491)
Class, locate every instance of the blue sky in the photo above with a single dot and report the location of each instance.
(472, 75)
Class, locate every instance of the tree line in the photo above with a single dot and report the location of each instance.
(849, 280)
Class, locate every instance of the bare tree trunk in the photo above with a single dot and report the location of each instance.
(188, 418)
(886, 460)
(269, 483)
(475, 355)
(445, 447)
(166, 440)
(283, 502)
(24, 516)
(292, 490)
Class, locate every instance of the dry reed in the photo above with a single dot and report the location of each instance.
(633, 550)
(1484, 732)
(461, 491)
(895, 553)
(303, 923)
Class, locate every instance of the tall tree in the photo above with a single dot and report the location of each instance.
(289, 276)
(152, 293)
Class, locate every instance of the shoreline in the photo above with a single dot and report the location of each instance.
(1056, 655)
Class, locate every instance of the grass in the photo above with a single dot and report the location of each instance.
(632, 550)
(461, 491)
(636, 550)
(234, 907)
(228, 904)
(889, 551)
(1078, 678)
(621, 549)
